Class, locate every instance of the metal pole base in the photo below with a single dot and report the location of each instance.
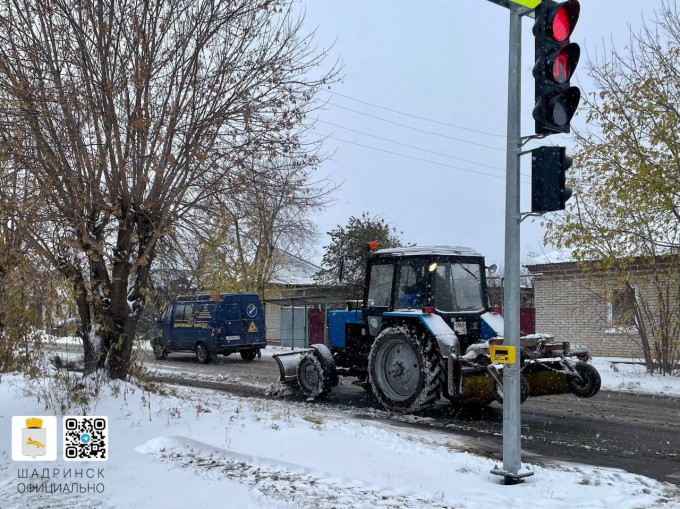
(510, 478)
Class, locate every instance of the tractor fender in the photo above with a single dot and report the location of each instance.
(492, 325)
(446, 339)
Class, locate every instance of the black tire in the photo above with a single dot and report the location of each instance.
(310, 376)
(404, 370)
(248, 355)
(588, 384)
(158, 351)
(497, 390)
(202, 354)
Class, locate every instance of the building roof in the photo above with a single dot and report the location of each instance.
(294, 271)
(552, 258)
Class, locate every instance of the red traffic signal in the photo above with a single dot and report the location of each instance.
(563, 20)
(556, 60)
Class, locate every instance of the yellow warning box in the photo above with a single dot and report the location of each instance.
(502, 354)
(252, 327)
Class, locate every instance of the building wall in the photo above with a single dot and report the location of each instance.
(574, 307)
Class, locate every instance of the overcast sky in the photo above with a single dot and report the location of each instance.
(445, 61)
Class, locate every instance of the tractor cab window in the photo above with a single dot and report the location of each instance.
(458, 287)
(381, 285)
(412, 284)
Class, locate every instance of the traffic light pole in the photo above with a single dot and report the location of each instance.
(512, 424)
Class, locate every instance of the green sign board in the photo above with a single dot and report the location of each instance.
(531, 4)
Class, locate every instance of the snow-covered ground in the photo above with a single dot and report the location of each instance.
(630, 375)
(199, 448)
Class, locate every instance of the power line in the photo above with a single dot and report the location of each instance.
(415, 158)
(412, 146)
(415, 116)
(416, 129)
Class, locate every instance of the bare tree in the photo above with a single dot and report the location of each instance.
(124, 116)
(266, 214)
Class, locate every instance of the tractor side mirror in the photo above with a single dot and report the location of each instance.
(492, 268)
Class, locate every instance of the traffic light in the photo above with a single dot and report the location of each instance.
(556, 59)
(548, 179)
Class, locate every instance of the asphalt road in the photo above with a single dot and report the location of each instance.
(635, 432)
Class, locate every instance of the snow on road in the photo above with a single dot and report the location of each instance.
(618, 374)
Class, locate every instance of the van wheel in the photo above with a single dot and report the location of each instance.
(158, 351)
(248, 355)
(202, 354)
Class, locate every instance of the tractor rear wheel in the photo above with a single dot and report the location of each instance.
(588, 384)
(404, 370)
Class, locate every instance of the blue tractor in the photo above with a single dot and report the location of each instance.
(425, 331)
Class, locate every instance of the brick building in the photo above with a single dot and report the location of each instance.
(591, 308)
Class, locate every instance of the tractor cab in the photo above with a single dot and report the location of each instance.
(447, 281)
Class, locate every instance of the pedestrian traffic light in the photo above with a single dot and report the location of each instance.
(548, 179)
(556, 59)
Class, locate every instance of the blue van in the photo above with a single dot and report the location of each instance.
(211, 325)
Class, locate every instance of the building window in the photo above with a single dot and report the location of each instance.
(621, 308)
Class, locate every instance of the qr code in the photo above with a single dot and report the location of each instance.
(86, 438)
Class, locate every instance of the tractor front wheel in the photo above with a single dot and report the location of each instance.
(310, 376)
(405, 370)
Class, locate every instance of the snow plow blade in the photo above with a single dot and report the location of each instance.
(288, 363)
(312, 371)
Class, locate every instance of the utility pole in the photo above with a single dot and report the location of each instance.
(556, 59)
(512, 422)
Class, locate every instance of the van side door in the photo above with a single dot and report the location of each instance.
(182, 330)
(204, 321)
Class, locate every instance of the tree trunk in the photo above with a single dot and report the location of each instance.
(644, 337)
